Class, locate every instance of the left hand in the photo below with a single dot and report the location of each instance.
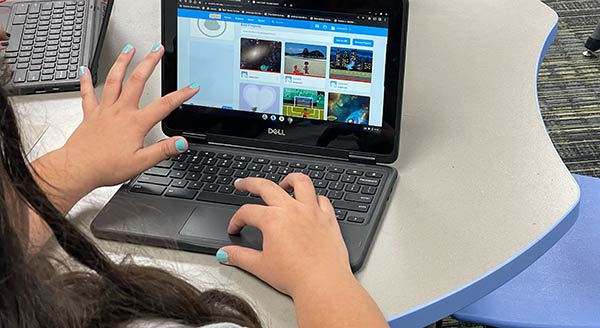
(108, 147)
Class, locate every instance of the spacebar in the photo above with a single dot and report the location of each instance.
(229, 199)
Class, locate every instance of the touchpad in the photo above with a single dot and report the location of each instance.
(209, 222)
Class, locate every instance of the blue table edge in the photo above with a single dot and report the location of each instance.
(470, 293)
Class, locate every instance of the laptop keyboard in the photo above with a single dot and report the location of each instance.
(46, 41)
(209, 176)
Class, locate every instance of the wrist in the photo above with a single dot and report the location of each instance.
(61, 178)
(324, 282)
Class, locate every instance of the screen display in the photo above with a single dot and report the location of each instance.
(284, 64)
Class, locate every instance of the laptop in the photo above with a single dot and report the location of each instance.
(51, 39)
(296, 86)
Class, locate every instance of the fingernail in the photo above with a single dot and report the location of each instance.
(194, 86)
(222, 256)
(156, 47)
(237, 181)
(180, 145)
(127, 48)
(82, 71)
(8, 34)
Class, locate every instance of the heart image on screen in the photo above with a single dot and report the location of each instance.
(212, 28)
(260, 98)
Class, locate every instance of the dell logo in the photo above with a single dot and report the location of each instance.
(277, 132)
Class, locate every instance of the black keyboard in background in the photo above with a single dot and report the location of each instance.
(209, 176)
(46, 41)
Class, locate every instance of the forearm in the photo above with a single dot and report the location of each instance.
(343, 303)
(56, 177)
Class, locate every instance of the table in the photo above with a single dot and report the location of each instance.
(482, 192)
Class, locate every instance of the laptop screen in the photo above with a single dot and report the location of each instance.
(284, 64)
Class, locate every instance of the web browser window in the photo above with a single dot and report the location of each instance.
(285, 64)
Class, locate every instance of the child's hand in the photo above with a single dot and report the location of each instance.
(108, 147)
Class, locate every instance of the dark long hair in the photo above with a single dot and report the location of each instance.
(35, 293)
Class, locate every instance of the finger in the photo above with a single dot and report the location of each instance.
(325, 205)
(271, 193)
(161, 108)
(248, 215)
(134, 87)
(303, 187)
(4, 36)
(244, 258)
(114, 79)
(88, 94)
(152, 155)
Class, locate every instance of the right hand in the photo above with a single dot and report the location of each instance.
(302, 242)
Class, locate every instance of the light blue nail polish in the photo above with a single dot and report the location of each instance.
(195, 86)
(180, 145)
(82, 71)
(222, 256)
(127, 48)
(156, 47)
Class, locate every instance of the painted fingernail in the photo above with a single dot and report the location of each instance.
(127, 49)
(195, 86)
(180, 145)
(222, 256)
(82, 71)
(156, 47)
(8, 34)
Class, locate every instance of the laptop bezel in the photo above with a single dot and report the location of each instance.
(177, 123)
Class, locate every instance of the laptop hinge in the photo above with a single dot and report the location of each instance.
(195, 138)
(362, 159)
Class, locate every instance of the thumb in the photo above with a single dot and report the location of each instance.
(162, 150)
(244, 258)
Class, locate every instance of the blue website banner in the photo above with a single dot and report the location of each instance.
(284, 22)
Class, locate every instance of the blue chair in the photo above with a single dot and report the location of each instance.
(562, 288)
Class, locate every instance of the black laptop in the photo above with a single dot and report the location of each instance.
(51, 39)
(297, 86)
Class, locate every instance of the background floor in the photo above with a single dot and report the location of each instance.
(569, 94)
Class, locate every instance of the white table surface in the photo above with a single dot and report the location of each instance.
(480, 181)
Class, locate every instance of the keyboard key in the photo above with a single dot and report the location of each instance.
(280, 163)
(274, 177)
(242, 174)
(349, 206)
(165, 164)
(149, 189)
(180, 158)
(284, 170)
(269, 169)
(338, 186)
(368, 182)
(196, 168)
(227, 172)
(320, 183)
(355, 172)
(255, 167)
(374, 175)
(258, 175)
(155, 180)
(333, 177)
(224, 180)
(195, 185)
(180, 166)
(19, 20)
(240, 165)
(208, 154)
(161, 172)
(335, 195)
(368, 190)
(179, 184)
(211, 170)
(211, 187)
(241, 193)
(318, 175)
(226, 189)
(21, 8)
(298, 165)
(335, 170)
(359, 198)
(225, 163)
(225, 156)
(321, 192)
(230, 199)
(181, 193)
(340, 215)
(349, 179)
(243, 159)
(317, 167)
(261, 161)
(356, 219)
(177, 174)
(193, 176)
(61, 75)
(209, 178)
